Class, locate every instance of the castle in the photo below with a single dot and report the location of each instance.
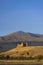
(23, 44)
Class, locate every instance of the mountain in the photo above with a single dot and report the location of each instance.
(21, 36)
(10, 41)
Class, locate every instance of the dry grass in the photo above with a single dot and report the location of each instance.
(33, 51)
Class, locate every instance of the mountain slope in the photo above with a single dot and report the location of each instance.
(21, 36)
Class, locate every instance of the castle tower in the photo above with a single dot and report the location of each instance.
(26, 44)
(20, 45)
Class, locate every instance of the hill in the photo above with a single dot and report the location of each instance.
(24, 51)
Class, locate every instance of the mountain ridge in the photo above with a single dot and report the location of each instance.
(22, 36)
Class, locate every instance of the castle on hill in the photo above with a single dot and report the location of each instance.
(22, 44)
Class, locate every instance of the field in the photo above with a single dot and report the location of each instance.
(21, 62)
(20, 51)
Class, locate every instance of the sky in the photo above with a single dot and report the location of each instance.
(21, 15)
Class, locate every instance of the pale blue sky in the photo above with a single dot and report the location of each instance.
(21, 15)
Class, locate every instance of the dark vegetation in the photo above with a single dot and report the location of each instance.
(39, 57)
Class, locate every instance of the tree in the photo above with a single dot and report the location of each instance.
(7, 57)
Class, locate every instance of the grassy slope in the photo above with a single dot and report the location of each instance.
(22, 51)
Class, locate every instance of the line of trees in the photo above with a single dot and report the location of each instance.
(39, 57)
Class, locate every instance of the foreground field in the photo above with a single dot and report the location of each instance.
(28, 52)
(22, 62)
